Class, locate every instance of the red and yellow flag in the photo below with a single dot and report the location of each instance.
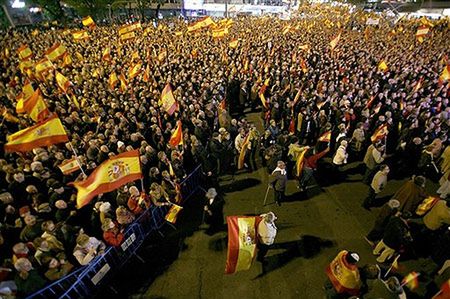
(382, 66)
(80, 35)
(335, 41)
(243, 152)
(88, 22)
(146, 77)
(172, 214)
(261, 93)
(24, 96)
(325, 137)
(134, 71)
(123, 82)
(36, 108)
(242, 240)
(411, 280)
(62, 81)
(69, 166)
(303, 65)
(418, 85)
(202, 23)
(422, 31)
(379, 133)
(344, 276)
(234, 43)
(300, 161)
(42, 66)
(110, 175)
(55, 52)
(127, 31)
(127, 36)
(177, 135)
(46, 133)
(67, 60)
(444, 292)
(113, 80)
(167, 101)
(106, 55)
(445, 75)
(24, 52)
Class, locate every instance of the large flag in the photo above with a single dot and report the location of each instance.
(24, 52)
(88, 22)
(243, 151)
(220, 32)
(113, 80)
(335, 41)
(127, 36)
(55, 52)
(167, 101)
(203, 22)
(35, 107)
(110, 175)
(106, 55)
(80, 35)
(379, 133)
(69, 166)
(177, 135)
(242, 240)
(62, 81)
(172, 214)
(134, 71)
(127, 31)
(46, 133)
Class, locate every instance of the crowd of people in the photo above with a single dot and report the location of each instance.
(285, 69)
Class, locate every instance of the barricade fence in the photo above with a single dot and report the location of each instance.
(83, 282)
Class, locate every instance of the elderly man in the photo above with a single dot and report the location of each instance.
(379, 181)
(267, 231)
(278, 180)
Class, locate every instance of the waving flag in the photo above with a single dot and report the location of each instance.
(146, 77)
(134, 71)
(123, 82)
(177, 135)
(325, 137)
(35, 107)
(242, 153)
(67, 60)
(202, 23)
(382, 66)
(418, 85)
(24, 96)
(80, 35)
(261, 93)
(69, 166)
(422, 31)
(335, 41)
(55, 52)
(88, 22)
(234, 43)
(63, 82)
(106, 55)
(126, 32)
(24, 52)
(46, 133)
(379, 133)
(110, 175)
(42, 66)
(167, 101)
(242, 240)
(445, 75)
(411, 280)
(113, 80)
(300, 162)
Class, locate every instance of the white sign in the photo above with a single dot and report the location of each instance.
(128, 242)
(100, 274)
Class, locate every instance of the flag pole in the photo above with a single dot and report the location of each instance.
(407, 281)
(76, 159)
(392, 266)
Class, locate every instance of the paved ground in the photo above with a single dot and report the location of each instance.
(312, 229)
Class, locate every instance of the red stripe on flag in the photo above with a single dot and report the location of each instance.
(233, 244)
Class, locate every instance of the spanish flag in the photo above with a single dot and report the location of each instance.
(43, 66)
(113, 80)
(421, 32)
(300, 161)
(335, 41)
(69, 166)
(234, 43)
(106, 55)
(167, 101)
(123, 82)
(261, 93)
(35, 107)
(243, 152)
(418, 85)
(127, 36)
(67, 60)
(379, 133)
(218, 33)
(177, 135)
(172, 214)
(110, 175)
(63, 82)
(55, 52)
(9, 117)
(325, 137)
(24, 96)
(242, 240)
(146, 77)
(25, 66)
(80, 35)
(88, 22)
(204, 22)
(411, 280)
(129, 28)
(445, 75)
(134, 71)
(303, 65)
(46, 133)
(24, 52)
(382, 66)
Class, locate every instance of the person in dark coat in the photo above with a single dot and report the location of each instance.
(387, 211)
(213, 212)
(411, 194)
(278, 180)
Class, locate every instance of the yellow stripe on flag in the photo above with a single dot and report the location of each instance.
(247, 243)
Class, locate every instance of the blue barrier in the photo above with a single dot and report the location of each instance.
(85, 281)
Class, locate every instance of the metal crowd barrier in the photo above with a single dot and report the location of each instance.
(83, 282)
